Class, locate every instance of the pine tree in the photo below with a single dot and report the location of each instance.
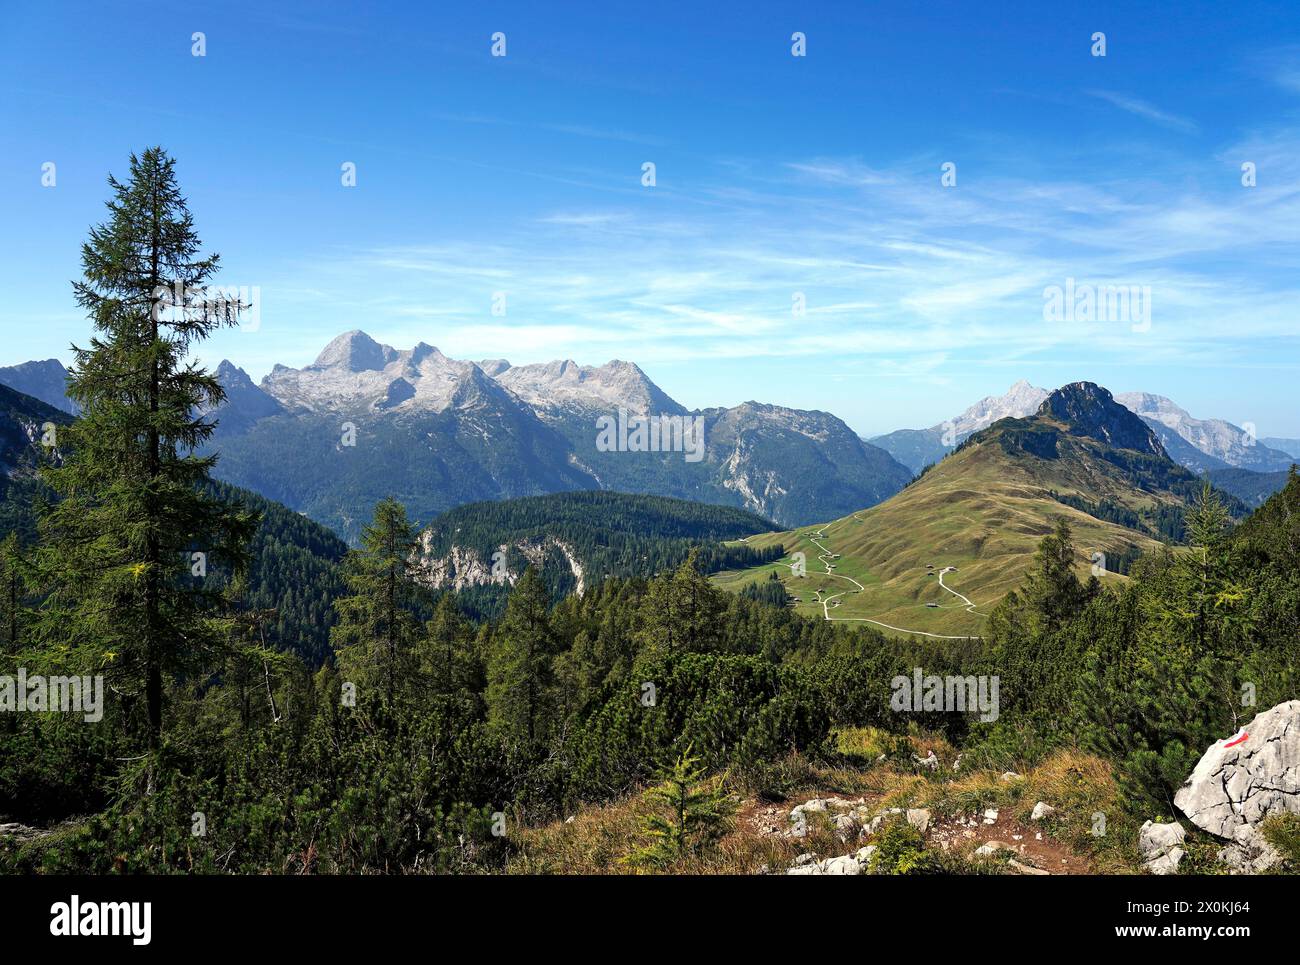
(133, 505)
(377, 627)
(521, 664)
(681, 614)
(688, 816)
(445, 650)
(1052, 591)
(604, 656)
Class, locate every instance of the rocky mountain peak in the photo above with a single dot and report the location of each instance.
(1021, 400)
(355, 372)
(46, 380)
(564, 385)
(245, 402)
(354, 351)
(1090, 410)
(231, 375)
(1222, 441)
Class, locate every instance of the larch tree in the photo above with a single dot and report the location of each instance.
(128, 538)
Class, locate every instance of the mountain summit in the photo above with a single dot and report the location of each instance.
(1020, 400)
(47, 381)
(1092, 411)
(355, 374)
(355, 351)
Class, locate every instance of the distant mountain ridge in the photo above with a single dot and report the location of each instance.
(1289, 446)
(565, 385)
(1201, 445)
(1220, 443)
(462, 431)
(918, 448)
(46, 380)
(437, 432)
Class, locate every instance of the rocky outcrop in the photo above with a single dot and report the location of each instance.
(461, 568)
(1160, 847)
(850, 864)
(919, 818)
(1244, 779)
(1249, 853)
(849, 818)
(1090, 410)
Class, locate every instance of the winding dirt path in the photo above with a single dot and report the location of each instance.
(825, 558)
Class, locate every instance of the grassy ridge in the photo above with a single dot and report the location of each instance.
(982, 510)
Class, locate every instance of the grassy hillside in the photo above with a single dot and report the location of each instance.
(982, 510)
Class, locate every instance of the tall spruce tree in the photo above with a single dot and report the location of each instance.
(521, 663)
(126, 592)
(377, 627)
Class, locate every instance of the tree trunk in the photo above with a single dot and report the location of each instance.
(153, 662)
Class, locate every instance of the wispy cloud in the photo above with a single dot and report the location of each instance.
(894, 274)
(1281, 65)
(574, 129)
(1144, 109)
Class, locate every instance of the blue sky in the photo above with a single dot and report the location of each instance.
(775, 175)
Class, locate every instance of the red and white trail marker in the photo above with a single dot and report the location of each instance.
(1236, 739)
